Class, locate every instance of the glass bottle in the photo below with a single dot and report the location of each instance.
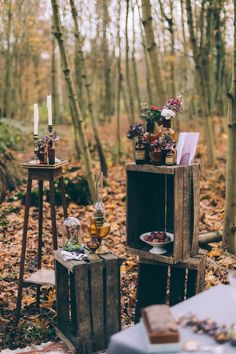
(140, 151)
(167, 130)
(170, 157)
(155, 155)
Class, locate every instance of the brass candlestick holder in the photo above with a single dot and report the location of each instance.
(35, 160)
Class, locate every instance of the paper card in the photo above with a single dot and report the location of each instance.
(186, 148)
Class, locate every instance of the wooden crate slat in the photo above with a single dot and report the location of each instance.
(166, 258)
(178, 215)
(73, 303)
(177, 285)
(83, 304)
(201, 274)
(195, 207)
(112, 295)
(97, 304)
(169, 203)
(70, 265)
(152, 283)
(62, 289)
(187, 238)
(151, 168)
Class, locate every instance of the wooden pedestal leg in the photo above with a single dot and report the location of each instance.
(40, 232)
(23, 249)
(63, 196)
(53, 213)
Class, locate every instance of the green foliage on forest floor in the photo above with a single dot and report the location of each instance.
(11, 135)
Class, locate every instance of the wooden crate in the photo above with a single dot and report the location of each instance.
(88, 302)
(159, 283)
(164, 198)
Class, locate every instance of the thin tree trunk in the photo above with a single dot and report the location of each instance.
(88, 91)
(146, 59)
(59, 84)
(118, 87)
(72, 98)
(135, 72)
(229, 235)
(126, 106)
(55, 110)
(107, 105)
(185, 72)
(170, 22)
(202, 86)
(129, 87)
(7, 84)
(152, 50)
(220, 60)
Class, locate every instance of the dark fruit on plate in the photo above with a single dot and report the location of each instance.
(157, 237)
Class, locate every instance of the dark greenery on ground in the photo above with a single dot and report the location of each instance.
(11, 136)
(10, 140)
(77, 191)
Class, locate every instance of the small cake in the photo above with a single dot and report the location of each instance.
(160, 325)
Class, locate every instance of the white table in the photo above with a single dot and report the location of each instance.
(218, 303)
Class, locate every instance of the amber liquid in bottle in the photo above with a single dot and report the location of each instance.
(140, 152)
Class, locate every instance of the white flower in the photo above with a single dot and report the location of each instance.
(167, 113)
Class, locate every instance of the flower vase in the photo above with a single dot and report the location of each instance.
(155, 156)
(149, 136)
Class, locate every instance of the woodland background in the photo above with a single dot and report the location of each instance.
(118, 54)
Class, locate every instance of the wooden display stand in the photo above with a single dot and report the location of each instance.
(88, 302)
(159, 283)
(163, 198)
(40, 173)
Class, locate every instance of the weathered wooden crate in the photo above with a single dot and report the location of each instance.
(159, 283)
(163, 198)
(88, 302)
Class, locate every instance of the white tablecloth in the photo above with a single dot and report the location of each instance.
(218, 303)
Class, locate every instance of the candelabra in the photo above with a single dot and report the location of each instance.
(51, 151)
(35, 159)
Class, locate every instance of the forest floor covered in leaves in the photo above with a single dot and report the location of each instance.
(37, 327)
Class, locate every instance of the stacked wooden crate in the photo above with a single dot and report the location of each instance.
(165, 198)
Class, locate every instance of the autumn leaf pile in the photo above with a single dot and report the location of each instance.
(37, 327)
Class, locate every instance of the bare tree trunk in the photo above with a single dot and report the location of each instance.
(229, 235)
(84, 74)
(72, 98)
(7, 84)
(152, 50)
(129, 87)
(170, 22)
(220, 59)
(146, 59)
(118, 87)
(55, 110)
(185, 72)
(135, 72)
(202, 86)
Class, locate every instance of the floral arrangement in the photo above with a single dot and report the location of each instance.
(156, 147)
(135, 130)
(150, 113)
(167, 112)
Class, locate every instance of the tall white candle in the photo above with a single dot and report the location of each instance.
(49, 105)
(36, 119)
